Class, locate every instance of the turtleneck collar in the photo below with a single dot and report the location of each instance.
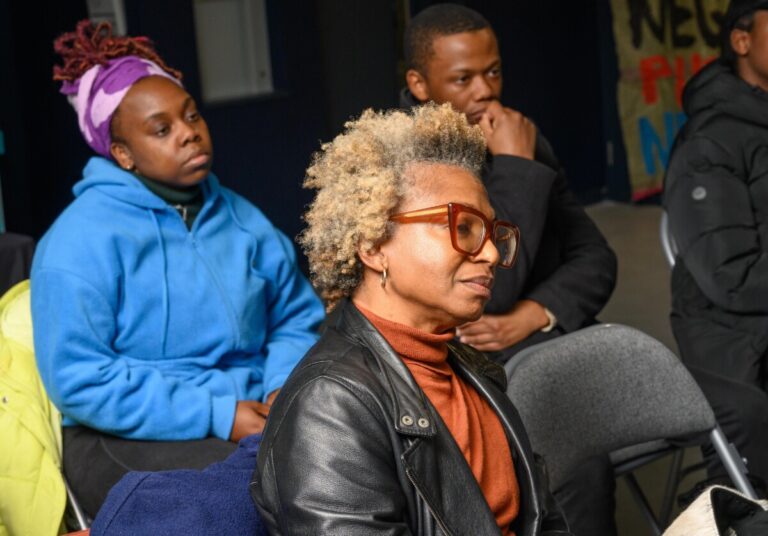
(187, 200)
(173, 195)
(410, 342)
(469, 417)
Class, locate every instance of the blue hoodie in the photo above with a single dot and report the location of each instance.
(146, 330)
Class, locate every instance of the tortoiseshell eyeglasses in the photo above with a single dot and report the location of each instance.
(469, 229)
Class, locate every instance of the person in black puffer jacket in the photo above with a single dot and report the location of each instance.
(716, 196)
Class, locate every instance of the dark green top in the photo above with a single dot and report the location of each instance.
(187, 200)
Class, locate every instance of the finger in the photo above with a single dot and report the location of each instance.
(272, 396)
(514, 111)
(494, 109)
(515, 118)
(485, 125)
(474, 329)
(488, 347)
(260, 427)
(262, 409)
(479, 338)
(256, 423)
(530, 127)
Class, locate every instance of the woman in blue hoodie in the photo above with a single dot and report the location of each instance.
(168, 311)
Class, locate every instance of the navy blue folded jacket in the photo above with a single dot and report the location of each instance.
(212, 501)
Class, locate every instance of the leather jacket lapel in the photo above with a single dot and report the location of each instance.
(530, 518)
(434, 466)
(432, 461)
(411, 414)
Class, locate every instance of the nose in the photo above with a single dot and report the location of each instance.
(482, 89)
(489, 253)
(188, 132)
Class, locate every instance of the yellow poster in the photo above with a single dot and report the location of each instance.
(660, 44)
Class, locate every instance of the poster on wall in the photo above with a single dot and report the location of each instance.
(660, 44)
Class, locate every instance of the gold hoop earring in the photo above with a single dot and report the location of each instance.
(384, 278)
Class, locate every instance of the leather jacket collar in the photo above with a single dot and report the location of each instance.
(351, 388)
(410, 401)
(487, 377)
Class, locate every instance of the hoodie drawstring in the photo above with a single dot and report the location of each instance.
(236, 219)
(165, 276)
(241, 225)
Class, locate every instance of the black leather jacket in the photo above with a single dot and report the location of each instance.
(353, 446)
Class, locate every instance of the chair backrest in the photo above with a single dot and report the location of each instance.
(668, 243)
(601, 389)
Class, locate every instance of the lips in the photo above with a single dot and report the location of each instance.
(199, 159)
(481, 285)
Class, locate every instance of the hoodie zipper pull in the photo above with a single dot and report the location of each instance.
(182, 212)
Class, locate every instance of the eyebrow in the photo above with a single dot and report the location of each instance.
(189, 100)
(471, 205)
(463, 69)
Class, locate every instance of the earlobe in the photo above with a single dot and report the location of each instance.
(417, 85)
(372, 257)
(740, 42)
(122, 156)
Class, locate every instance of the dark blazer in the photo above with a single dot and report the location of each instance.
(353, 446)
(564, 263)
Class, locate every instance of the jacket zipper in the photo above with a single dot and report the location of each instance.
(182, 210)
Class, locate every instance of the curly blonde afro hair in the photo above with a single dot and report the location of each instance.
(361, 178)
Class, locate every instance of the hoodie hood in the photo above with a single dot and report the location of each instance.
(717, 88)
(106, 177)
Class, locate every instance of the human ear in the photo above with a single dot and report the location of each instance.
(372, 257)
(122, 155)
(417, 85)
(741, 41)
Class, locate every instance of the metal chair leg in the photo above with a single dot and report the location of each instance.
(80, 517)
(733, 463)
(673, 482)
(642, 502)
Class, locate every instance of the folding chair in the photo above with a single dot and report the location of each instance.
(613, 389)
(668, 243)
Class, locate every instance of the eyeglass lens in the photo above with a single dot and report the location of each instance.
(506, 242)
(470, 233)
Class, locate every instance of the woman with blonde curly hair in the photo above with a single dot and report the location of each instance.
(389, 426)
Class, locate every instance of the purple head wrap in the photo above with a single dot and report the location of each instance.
(96, 95)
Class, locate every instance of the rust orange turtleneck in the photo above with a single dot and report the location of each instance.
(470, 419)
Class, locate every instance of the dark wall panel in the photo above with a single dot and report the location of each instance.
(330, 60)
(45, 151)
(262, 145)
(360, 55)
